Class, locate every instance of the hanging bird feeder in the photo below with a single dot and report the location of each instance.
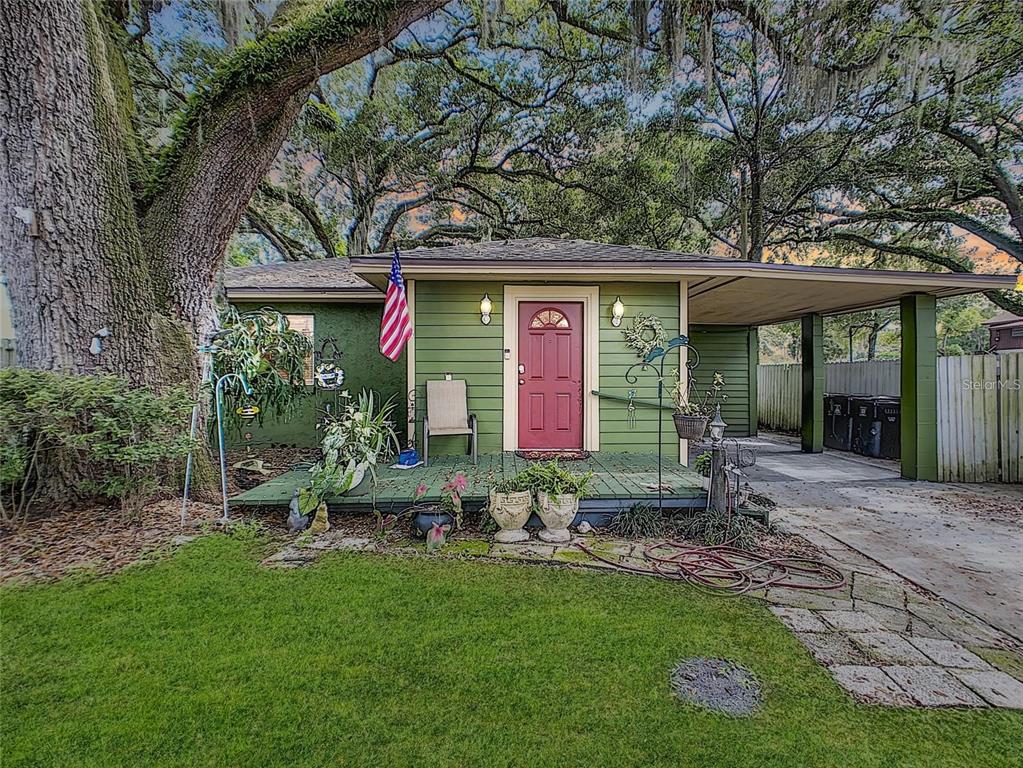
(247, 412)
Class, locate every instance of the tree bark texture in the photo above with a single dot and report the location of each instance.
(81, 252)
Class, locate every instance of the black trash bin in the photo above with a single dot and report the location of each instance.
(866, 426)
(837, 424)
(887, 411)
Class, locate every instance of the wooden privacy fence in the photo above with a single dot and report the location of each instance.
(980, 408)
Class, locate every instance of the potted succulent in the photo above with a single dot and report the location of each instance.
(511, 503)
(446, 513)
(693, 413)
(557, 493)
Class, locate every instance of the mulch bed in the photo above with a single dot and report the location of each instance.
(97, 539)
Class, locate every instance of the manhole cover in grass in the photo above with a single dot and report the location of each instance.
(717, 684)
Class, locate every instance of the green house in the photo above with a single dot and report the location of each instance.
(535, 327)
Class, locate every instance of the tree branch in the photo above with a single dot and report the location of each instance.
(306, 209)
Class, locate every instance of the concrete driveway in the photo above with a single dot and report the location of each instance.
(962, 542)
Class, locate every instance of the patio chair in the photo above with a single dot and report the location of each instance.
(447, 413)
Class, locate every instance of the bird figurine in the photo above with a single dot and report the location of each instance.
(320, 523)
(436, 537)
(296, 522)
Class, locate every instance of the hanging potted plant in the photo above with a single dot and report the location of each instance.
(557, 493)
(692, 412)
(511, 503)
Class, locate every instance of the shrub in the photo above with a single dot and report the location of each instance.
(88, 436)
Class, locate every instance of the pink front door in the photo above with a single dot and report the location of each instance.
(550, 375)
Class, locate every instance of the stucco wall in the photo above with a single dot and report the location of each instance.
(356, 329)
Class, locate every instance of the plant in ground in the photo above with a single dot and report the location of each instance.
(641, 521)
(262, 347)
(103, 436)
(720, 528)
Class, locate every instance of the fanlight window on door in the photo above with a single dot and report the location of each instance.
(548, 318)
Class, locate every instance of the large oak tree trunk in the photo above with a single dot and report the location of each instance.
(69, 238)
(82, 249)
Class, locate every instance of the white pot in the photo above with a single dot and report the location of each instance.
(510, 511)
(357, 477)
(557, 513)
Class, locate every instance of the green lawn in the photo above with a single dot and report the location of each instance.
(207, 659)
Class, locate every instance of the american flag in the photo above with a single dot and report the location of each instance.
(396, 325)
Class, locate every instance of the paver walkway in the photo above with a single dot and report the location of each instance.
(963, 542)
(881, 639)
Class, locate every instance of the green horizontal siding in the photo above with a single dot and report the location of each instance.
(726, 348)
(451, 339)
(356, 328)
(617, 432)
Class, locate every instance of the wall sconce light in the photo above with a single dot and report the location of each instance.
(717, 427)
(486, 307)
(617, 312)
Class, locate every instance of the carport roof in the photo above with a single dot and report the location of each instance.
(722, 291)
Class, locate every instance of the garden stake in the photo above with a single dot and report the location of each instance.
(658, 354)
(219, 394)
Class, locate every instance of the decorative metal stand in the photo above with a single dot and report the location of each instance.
(654, 359)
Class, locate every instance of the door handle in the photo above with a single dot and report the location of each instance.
(521, 382)
(522, 369)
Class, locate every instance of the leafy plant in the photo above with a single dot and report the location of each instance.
(716, 528)
(641, 521)
(688, 404)
(451, 497)
(702, 464)
(262, 347)
(514, 484)
(92, 436)
(551, 478)
(352, 443)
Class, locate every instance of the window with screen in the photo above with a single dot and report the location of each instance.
(304, 325)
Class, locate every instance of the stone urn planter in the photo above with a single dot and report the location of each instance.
(511, 511)
(557, 512)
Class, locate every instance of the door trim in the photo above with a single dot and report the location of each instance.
(589, 295)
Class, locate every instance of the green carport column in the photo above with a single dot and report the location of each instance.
(813, 384)
(919, 388)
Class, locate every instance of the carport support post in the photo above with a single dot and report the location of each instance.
(919, 372)
(813, 384)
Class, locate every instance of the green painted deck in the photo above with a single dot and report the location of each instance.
(619, 480)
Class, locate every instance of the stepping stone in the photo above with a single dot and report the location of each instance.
(947, 653)
(870, 685)
(852, 621)
(888, 648)
(832, 649)
(798, 619)
(933, 687)
(996, 688)
(892, 619)
(881, 591)
(816, 600)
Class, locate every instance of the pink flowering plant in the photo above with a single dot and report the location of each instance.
(451, 497)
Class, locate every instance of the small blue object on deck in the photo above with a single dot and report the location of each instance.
(409, 457)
